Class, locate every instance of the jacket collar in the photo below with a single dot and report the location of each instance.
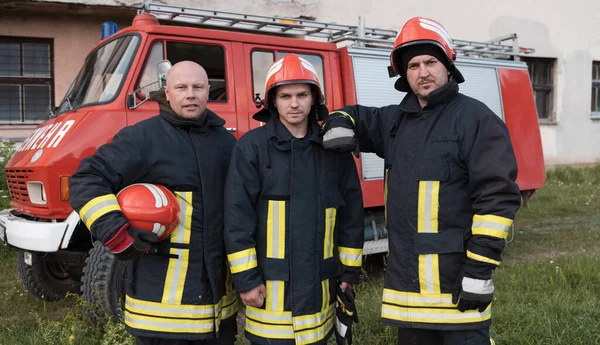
(446, 93)
(282, 137)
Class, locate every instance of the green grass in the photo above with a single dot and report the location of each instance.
(547, 288)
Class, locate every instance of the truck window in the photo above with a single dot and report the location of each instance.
(148, 81)
(211, 57)
(262, 60)
(102, 74)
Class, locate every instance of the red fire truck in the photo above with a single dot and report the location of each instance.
(56, 253)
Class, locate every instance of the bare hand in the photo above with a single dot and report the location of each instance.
(254, 297)
(345, 285)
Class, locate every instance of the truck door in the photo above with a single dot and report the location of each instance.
(259, 59)
(214, 56)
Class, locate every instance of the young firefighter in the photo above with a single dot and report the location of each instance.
(293, 214)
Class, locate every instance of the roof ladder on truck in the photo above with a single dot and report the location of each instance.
(336, 33)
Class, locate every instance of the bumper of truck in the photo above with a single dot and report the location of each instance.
(23, 233)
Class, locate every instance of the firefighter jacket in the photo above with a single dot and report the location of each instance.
(182, 292)
(450, 197)
(294, 222)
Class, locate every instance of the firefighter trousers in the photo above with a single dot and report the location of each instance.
(414, 336)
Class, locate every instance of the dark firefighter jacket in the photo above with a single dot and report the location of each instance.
(181, 293)
(450, 201)
(293, 221)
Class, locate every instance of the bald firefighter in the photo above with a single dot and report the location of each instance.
(451, 195)
(294, 215)
(180, 296)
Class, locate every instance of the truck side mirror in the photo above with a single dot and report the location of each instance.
(162, 68)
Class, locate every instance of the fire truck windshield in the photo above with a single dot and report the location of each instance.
(101, 77)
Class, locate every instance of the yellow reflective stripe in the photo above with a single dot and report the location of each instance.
(416, 299)
(276, 229)
(269, 331)
(183, 231)
(351, 256)
(330, 215)
(98, 207)
(230, 305)
(313, 320)
(268, 316)
(344, 114)
(433, 315)
(242, 260)
(275, 295)
(312, 336)
(176, 273)
(491, 225)
(482, 258)
(429, 275)
(385, 196)
(325, 294)
(159, 324)
(171, 311)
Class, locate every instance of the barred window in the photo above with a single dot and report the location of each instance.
(26, 80)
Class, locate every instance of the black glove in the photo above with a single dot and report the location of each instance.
(471, 293)
(338, 134)
(345, 315)
(129, 243)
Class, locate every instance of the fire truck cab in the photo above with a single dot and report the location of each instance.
(56, 252)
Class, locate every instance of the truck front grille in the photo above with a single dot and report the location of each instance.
(17, 184)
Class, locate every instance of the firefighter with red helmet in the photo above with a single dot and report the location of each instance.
(450, 191)
(184, 291)
(293, 214)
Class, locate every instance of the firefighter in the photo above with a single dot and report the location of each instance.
(450, 191)
(293, 214)
(180, 295)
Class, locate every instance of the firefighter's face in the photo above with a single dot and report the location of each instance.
(424, 74)
(187, 89)
(293, 102)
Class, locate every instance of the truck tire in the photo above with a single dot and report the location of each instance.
(46, 279)
(103, 285)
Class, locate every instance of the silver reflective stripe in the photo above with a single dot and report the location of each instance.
(337, 133)
(180, 312)
(275, 220)
(243, 261)
(314, 335)
(491, 225)
(413, 299)
(350, 257)
(174, 324)
(183, 210)
(274, 298)
(477, 286)
(277, 333)
(434, 316)
(176, 276)
(98, 206)
(428, 229)
(314, 320)
(269, 317)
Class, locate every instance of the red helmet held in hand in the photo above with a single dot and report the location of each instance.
(150, 207)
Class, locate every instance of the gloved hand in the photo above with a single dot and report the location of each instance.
(129, 243)
(338, 134)
(345, 315)
(471, 293)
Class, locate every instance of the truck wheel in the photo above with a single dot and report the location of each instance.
(45, 278)
(103, 285)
